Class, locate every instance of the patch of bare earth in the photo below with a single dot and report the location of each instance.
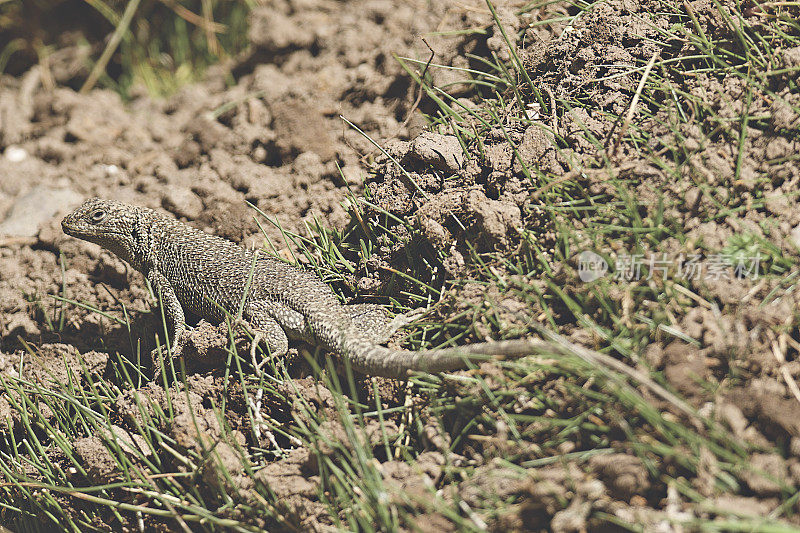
(275, 139)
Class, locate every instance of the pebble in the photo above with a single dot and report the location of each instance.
(15, 154)
(442, 152)
(795, 235)
(35, 208)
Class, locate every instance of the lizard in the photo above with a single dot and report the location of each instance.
(211, 276)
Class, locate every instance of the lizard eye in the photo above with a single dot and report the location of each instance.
(97, 215)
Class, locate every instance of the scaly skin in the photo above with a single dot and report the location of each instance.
(208, 275)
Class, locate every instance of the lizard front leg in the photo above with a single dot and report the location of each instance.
(173, 312)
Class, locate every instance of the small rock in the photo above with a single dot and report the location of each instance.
(768, 470)
(791, 57)
(309, 168)
(495, 220)
(20, 324)
(625, 475)
(795, 235)
(777, 203)
(35, 208)
(183, 203)
(442, 152)
(15, 154)
(733, 417)
(742, 505)
(783, 116)
(273, 31)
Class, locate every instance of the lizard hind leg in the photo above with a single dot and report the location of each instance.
(372, 321)
(266, 329)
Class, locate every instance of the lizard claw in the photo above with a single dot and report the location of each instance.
(258, 336)
(404, 319)
(257, 365)
(176, 350)
(413, 315)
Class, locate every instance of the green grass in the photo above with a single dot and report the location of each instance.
(158, 44)
(547, 410)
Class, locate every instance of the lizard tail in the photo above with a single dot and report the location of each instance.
(399, 364)
(380, 361)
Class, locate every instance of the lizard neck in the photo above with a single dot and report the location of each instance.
(134, 247)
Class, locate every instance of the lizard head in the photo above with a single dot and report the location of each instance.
(112, 225)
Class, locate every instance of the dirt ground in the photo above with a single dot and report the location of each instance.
(265, 128)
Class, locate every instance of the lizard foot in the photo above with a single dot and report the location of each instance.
(257, 365)
(372, 321)
(404, 319)
(257, 338)
(271, 334)
(176, 350)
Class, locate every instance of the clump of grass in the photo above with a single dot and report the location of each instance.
(617, 218)
(160, 44)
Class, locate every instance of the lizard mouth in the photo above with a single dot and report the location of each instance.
(74, 228)
(81, 230)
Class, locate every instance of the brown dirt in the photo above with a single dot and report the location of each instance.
(274, 138)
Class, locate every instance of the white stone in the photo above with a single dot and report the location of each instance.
(15, 154)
